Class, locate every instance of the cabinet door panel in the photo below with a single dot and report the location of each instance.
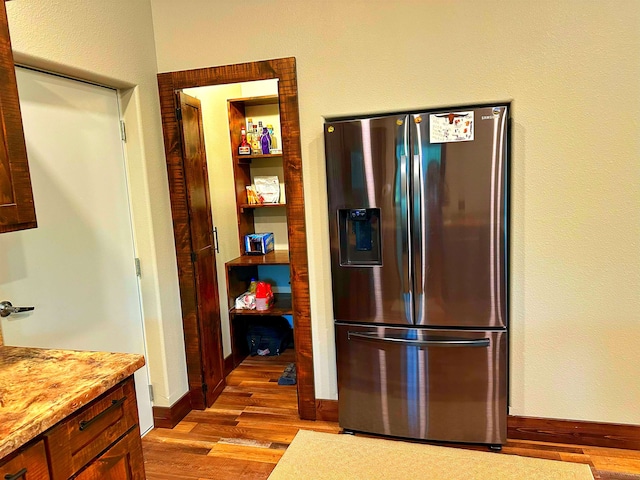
(29, 464)
(78, 439)
(17, 211)
(123, 461)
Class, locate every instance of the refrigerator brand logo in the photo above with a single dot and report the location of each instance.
(496, 114)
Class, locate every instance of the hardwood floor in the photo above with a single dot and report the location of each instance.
(246, 431)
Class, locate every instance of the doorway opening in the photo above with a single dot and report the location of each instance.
(197, 308)
(254, 103)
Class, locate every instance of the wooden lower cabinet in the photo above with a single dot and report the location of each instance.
(77, 440)
(123, 461)
(28, 464)
(99, 441)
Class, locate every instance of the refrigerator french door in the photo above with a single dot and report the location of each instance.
(418, 226)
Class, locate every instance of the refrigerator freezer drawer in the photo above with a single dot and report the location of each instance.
(442, 385)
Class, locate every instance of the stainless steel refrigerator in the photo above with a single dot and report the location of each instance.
(418, 218)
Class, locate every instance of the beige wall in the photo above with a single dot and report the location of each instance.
(112, 43)
(572, 69)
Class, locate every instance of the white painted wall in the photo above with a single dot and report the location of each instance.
(112, 43)
(571, 68)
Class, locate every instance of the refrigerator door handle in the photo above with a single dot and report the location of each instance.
(451, 342)
(418, 220)
(406, 253)
(407, 286)
(419, 255)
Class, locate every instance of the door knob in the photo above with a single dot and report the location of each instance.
(7, 309)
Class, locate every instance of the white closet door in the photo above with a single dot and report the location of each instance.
(77, 268)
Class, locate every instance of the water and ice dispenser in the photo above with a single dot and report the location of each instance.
(359, 232)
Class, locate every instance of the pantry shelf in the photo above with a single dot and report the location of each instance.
(282, 305)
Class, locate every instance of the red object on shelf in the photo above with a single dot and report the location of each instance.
(264, 296)
(244, 148)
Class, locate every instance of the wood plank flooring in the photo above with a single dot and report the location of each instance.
(246, 431)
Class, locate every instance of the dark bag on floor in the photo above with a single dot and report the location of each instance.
(268, 336)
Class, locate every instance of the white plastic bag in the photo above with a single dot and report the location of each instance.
(268, 188)
(246, 301)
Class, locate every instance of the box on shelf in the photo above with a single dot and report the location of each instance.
(258, 243)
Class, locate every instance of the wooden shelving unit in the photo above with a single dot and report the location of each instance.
(276, 257)
(237, 109)
(242, 206)
(240, 271)
(281, 306)
(264, 156)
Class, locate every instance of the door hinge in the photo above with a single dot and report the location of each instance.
(194, 257)
(205, 388)
(151, 392)
(179, 113)
(138, 270)
(123, 131)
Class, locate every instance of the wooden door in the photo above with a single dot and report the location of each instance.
(202, 254)
(17, 210)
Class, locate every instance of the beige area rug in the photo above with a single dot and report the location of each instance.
(325, 456)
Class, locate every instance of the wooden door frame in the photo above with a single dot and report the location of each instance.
(284, 70)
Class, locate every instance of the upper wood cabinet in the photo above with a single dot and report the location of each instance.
(17, 210)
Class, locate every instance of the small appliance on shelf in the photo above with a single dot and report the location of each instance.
(258, 243)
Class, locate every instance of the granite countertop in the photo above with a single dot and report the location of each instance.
(40, 387)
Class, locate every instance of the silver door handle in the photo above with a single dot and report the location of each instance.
(479, 342)
(7, 309)
(215, 239)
